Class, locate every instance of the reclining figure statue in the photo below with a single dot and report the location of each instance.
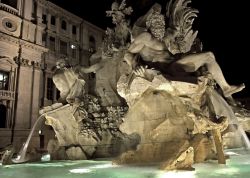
(172, 47)
(165, 96)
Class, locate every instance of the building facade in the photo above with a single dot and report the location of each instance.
(34, 35)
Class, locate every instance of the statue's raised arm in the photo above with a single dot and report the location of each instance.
(180, 36)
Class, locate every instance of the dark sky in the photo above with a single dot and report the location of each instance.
(222, 27)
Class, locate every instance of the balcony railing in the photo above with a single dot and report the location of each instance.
(7, 95)
(9, 9)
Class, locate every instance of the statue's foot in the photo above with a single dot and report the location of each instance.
(233, 89)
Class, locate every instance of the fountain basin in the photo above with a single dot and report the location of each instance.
(237, 166)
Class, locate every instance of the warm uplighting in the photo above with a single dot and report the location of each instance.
(80, 170)
(227, 170)
(177, 174)
(230, 153)
(102, 166)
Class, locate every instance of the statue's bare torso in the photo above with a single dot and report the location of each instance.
(150, 48)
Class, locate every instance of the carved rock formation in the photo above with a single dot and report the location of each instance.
(85, 130)
(169, 118)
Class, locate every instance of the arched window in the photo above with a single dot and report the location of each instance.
(3, 111)
(64, 25)
(92, 44)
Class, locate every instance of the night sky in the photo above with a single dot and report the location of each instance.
(222, 27)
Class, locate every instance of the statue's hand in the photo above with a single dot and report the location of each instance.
(146, 73)
(140, 71)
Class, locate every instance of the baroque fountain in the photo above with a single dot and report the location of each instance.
(159, 99)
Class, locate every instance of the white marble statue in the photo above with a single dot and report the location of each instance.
(70, 85)
(160, 45)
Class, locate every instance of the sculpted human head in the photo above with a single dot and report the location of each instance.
(156, 24)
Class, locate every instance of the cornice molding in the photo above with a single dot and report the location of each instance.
(9, 39)
(27, 63)
(23, 43)
(36, 65)
(33, 46)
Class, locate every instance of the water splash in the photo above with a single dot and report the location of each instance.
(222, 108)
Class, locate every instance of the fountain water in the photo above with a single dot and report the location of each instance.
(223, 109)
(22, 157)
(157, 128)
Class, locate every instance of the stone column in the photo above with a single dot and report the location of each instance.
(69, 30)
(12, 88)
(24, 95)
(39, 35)
(27, 13)
(77, 33)
(35, 100)
(39, 14)
(57, 45)
(58, 24)
(20, 7)
(49, 21)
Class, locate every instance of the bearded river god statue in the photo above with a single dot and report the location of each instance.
(174, 107)
(175, 92)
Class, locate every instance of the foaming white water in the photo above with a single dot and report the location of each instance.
(223, 109)
(80, 171)
(177, 174)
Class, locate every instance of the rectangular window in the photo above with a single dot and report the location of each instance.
(44, 19)
(50, 88)
(52, 43)
(74, 53)
(4, 80)
(64, 25)
(74, 30)
(63, 47)
(53, 20)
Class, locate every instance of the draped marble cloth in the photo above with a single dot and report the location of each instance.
(73, 86)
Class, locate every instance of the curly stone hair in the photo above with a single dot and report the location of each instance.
(156, 24)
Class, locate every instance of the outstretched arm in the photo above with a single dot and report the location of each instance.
(94, 68)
